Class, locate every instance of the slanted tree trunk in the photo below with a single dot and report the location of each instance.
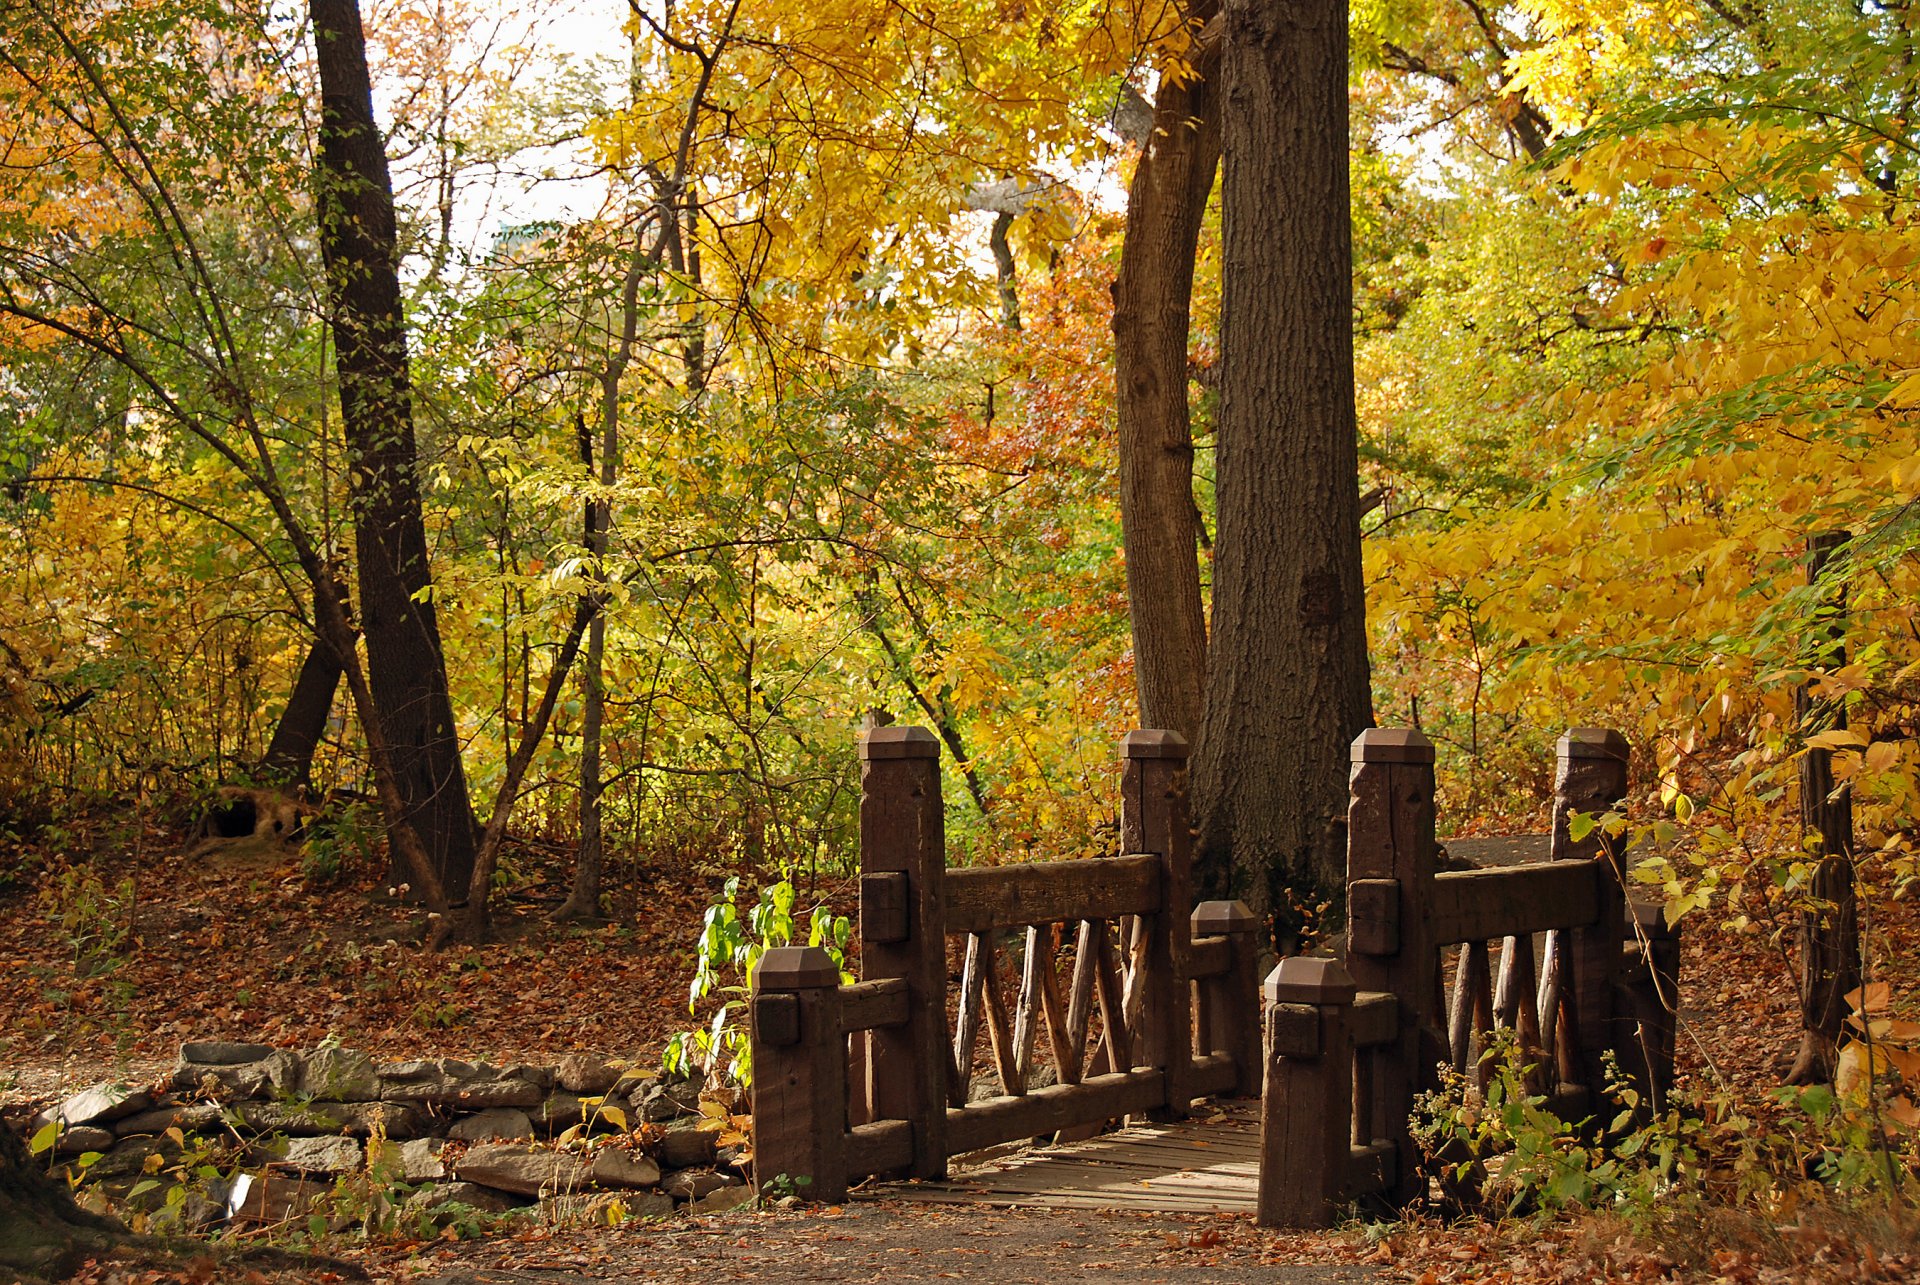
(1152, 304)
(406, 668)
(289, 756)
(1830, 924)
(1287, 684)
(42, 1232)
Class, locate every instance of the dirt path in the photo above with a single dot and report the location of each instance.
(891, 1241)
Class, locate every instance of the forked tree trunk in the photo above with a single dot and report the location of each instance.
(1287, 686)
(289, 756)
(406, 668)
(1152, 307)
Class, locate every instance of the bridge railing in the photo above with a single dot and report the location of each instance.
(1161, 1007)
(1581, 975)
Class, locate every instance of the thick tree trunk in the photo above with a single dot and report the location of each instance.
(289, 756)
(42, 1232)
(1830, 925)
(1287, 685)
(406, 668)
(583, 900)
(1152, 299)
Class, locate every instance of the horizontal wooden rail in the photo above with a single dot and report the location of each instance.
(865, 1005)
(1376, 1019)
(1058, 1106)
(880, 1147)
(985, 898)
(1482, 905)
(1211, 957)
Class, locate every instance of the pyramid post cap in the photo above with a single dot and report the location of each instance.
(1592, 743)
(1392, 745)
(795, 968)
(1310, 979)
(1222, 918)
(1151, 743)
(898, 742)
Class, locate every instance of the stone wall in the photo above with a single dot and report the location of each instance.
(443, 1138)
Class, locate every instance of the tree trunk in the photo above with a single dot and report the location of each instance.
(1287, 684)
(1152, 299)
(406, 667)
(42, 1232)
(583, 900)
(1830, 924)
(289, 756)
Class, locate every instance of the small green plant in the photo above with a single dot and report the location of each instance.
(95, 921)
(338, 840)
(728, 948)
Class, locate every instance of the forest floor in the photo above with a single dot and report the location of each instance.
(97, 978)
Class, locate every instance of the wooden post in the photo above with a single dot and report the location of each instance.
(1153, 818)
(1232, 1001)
(1390, 869)
(1306, 1115)
(903, 932)
(799, 1074)
(1591, 777)
(1830, 921)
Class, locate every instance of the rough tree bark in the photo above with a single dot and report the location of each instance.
(406, 668)
(1830, 925)
(42, 1232)
(1152, 300)
(1287, 683)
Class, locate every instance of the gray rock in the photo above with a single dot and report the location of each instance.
(194, 1214)
(522, 1169)
(542, 1076)
(686, 1146)
(222, 1053)
(128, 1159)
(499, 1122)
(323, 1155)
(693, 1184)
(190, 1117)
(420, 1160)
(96, 1104)
(485, 1199)
(587, 1074)
(340, 1075)
(278, 1073)
(272, 1198)
(461, 1085)
(394, 1119)
(82, 1138)
(560, 1110)
(665, 1102)
(299, 1119)
(721, 1200)
(617, 1168)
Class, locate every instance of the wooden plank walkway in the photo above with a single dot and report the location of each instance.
(1209, 1164)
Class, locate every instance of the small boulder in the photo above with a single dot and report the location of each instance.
(560, 1110)
(323, 1155)
(222, 1052)
(434, 1197)
(271, 1198)
(467, 1086)
(722, 1199)
(96, 1104)
(420, 1160)
(693, 1184)
(620, 1168)
(687, 1146)
(82, 1138)
(587, 1074)
(665, 1102)
(523, 1170)
(500, 1122)
(340, 1075)
(190, 1117)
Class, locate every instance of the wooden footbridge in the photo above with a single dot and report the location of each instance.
(1169, 1077)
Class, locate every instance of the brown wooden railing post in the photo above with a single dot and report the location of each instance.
(799, 1074)
(1390, 945)
(903, 932)
(1592, 778)
(1306, 1115)
(1232, 1000)
(1153, 818)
